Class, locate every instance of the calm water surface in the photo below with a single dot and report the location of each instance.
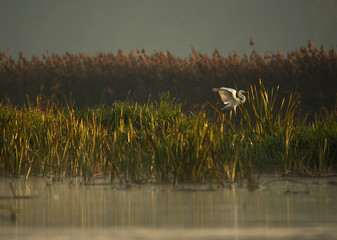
(281, 208)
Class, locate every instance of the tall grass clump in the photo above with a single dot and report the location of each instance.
(52, 142)
(282, 135)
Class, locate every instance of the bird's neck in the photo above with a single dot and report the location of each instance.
(243, 97)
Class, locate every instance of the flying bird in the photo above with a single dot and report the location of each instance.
(228, 96)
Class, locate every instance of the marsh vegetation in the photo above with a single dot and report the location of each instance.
(158, 142)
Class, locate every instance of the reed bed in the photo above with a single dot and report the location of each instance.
(86, 81)
(158, 142)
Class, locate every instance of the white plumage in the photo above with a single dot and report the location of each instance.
(229, 98)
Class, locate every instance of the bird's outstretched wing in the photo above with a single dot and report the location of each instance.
(227, 94)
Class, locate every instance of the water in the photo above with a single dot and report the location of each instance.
(301, 208)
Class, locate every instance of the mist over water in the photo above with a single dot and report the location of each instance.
(279, 209)
(90, 27)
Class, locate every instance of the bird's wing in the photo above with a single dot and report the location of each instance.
(227, 95)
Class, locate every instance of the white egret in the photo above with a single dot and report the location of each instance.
(228, 96)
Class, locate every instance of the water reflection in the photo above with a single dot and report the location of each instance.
(278, 204)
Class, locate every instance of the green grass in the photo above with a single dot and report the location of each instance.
(159, 142)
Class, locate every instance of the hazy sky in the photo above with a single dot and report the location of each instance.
(92, 26)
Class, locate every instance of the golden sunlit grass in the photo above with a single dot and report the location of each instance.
(159, 142)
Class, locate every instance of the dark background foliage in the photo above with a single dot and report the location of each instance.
(84, 81)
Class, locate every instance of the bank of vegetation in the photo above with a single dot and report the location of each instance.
(141, 118)
(158, 142)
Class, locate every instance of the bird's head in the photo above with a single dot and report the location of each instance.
(243, 97)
